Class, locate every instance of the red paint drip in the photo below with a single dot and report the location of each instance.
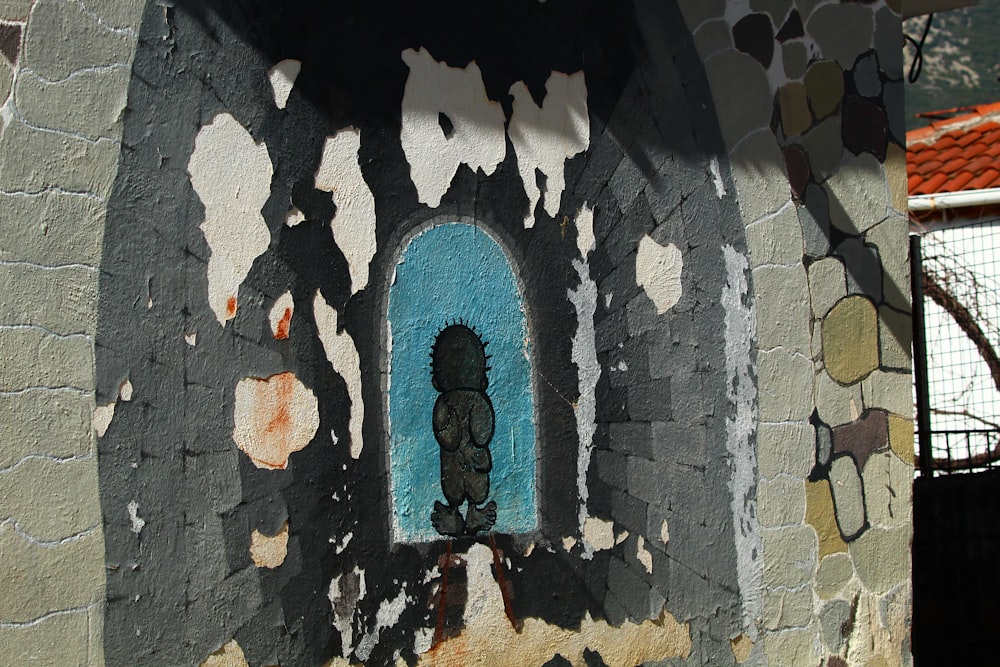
(284, 323)
(442, 598)
(502, 582)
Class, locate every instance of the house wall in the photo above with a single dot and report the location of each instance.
(700, 207)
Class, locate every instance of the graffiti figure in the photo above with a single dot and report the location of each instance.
(463, 426)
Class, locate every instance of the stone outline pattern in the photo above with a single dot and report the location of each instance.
(789, 217)
(51, 534)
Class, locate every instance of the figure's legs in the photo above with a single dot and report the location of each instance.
(447, 520)
(480, 519)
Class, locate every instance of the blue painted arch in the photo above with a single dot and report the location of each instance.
(448, 272)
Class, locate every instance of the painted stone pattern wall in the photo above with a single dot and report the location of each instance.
(562, 332)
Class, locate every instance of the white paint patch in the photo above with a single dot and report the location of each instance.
(294, 217)
(282, 77)
(280, 315)
(101, 419)
(191, 338)
(658, 271)
(568, 543)
(232, 177)
(741, 392)
(607, 299)
(584, 354)
(664, 532)
(353, 224)
(387, 616)
(272, 418)
(642, 554)
(477, 124)
(269, 551)
(344, 601)
(343, 356)
(423, 639)
(133, 516)
(720, 187)
(585, 240)
(622, 536)
(545, 137)
(598, 534)
(343, 543)
(125, 390)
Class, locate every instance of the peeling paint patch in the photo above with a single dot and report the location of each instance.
(342, 544)
(137, 522)
(568, 543)
(273, 418)
(642, 554)
(191, 338)
(545, 137)
(473, 134)
(125, 390)
(741, 392)
(294, 217)
(488, 633)
(387, 616)
(584, 355)
(713, 168)
(232, 177)
(353, 224)
(280, 316)
(101, 419)
(621, 537)
(658, 271)
(346, 590)
(343, 356)
(230, 655)
(269, 550)
(282, 77)
(664, 532)
(598, 534)
(742, 647)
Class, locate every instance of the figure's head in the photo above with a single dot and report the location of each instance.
(458, 360)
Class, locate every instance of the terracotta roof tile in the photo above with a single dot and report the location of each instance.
(958, 182)
(958, 153)
(988, 179)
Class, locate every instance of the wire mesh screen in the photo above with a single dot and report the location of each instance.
(961, 288)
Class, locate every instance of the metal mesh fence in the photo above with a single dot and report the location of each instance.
(961, 305)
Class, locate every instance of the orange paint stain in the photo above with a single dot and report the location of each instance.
(281, 331)
(273, 418)
(230, 307)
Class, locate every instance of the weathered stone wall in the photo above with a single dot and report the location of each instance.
(819, 90)
(65, 66)
(701, 204)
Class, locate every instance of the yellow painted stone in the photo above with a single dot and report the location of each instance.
(796, 117)
(742, 646)
(895, 169)
(850, 339)
(901, 438)
(820, 514)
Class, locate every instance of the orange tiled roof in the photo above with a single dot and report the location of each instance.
(955, 154)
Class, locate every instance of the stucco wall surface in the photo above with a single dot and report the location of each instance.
(64, 73)
(696, 210)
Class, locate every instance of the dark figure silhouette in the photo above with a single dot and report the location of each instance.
(463, 426)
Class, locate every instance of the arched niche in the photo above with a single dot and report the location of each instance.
(445, 273)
